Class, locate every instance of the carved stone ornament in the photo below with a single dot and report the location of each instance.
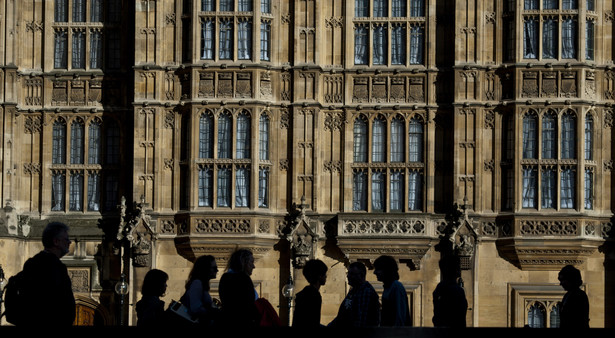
(400, 236)
(547, 244)
(135, 228)
(300, 233)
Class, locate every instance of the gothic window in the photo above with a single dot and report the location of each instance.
(243, 135)
(552, 30)
(265, 40)
(242, 186)
(397, 190)
(397, 139)
(224, 187)
(205, 187)
(549, 123)
(359, 190)
(589, 189)
(77, 185)
(551, 176)
(208, 5)
(266, 6)
(263, 139)
(390, 32)
(263, 187)
(93, 191)
(58, 155)
(529, 187)
(360, 140)
(589, 137)
(224, 172)
(79, 30)
(224, 135)
(543, 313)
(95, 143)
(378, 190)
(206, 131)
(549, 188)
(529, 135)
(77, 131)
(227, 30)
(379, 139)
(568, 135)
(567, 188)
(380, 181)
(415, 141)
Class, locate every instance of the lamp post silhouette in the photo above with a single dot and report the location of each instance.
(121, 288)
(288, 291)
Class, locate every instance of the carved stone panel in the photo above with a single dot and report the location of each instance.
(569, 84)
(416, 90)
(206, 84)
(549, 84)
(225, 84)
(530, 84)
(244, 85)
(59, 94)
(379, 89)
(398, 89)
(360, 91)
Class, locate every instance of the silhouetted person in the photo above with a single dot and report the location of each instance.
(196, 298)
(395, 310)
(575, 305)
(449, 298)
(46, 278)
(361, 307)
(308, 301)
(237, 293)
(150, 309)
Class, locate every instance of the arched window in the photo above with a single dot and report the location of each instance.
(359, 190)
(242, 186)
(379, 140)
(94, 142)
(378, 190)
(397, 190)
(567, 186)
(415, 140)
(206, 135)
(224, 135)
(360, 140)
(397, 139)
(536, 315)
(263, 139)
(58, 154)
(568, 135)
(77, 131)
(529, 187)
(589, 137)
(548, 188)
(529, 135)
(205, 186)
(549, 132)
(243, 135)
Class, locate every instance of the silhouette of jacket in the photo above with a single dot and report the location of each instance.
(238, 298)
(360, 308)
(307, 308)
(49, 291)
(395, 309)
(450, 305)
(575, 310)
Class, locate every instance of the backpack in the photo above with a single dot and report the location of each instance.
(15, 305)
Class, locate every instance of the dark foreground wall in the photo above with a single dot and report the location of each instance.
(116, 332)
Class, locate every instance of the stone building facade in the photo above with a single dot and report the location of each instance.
(162, 130)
